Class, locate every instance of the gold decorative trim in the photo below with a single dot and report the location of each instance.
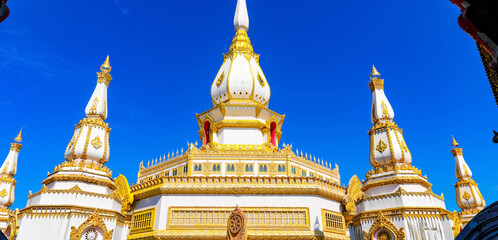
(251, 235)
(457, 152)
(396, 180)
(15, 147)
(238, 185)
(83, 178)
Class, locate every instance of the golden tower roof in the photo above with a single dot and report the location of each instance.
(454, 143)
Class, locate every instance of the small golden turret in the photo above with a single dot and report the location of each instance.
(19, 137)
(106, 66)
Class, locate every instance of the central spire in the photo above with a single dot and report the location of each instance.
(240, 76)
(241, 18)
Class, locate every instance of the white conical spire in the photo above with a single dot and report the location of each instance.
(462, 170)
(241, 18)
(97, 106)
(381, 108)
(9, 166)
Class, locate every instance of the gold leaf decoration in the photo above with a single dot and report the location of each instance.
(381, 146)
(3, 193)
(96, 143)
(220, 79)
(466, 196)
(260, 79)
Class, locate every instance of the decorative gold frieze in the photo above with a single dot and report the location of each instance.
(257, 218)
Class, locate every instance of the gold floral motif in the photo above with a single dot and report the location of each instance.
(381, 146)
(466, 196)
(3, 193)
(220, 79)
(96, 143)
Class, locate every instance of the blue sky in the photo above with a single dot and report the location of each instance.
(317, 56)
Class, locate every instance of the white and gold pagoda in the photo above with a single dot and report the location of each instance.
(396, 201)
(79, 199)
(7, 187)
(468, 196)
(190, 194)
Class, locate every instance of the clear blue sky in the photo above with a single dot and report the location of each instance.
(317, 56)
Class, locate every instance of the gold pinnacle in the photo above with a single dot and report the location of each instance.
(374, 73)
(454, 143)
(19, 137)
(106, 66)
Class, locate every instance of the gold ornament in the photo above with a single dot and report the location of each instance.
(123, 192)
(381, 146)
(96, 143)
(3, 193)
(94, 221)
(466, 196)
(220, 79)
(261, 81)
(237, 225)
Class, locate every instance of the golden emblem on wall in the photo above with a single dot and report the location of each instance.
(237, 225)
(93, 109)
(96, 143)
(466, 196)
(3, 193)
(261, 81)
(385, 113)
(93, 222)
(381, 146)
(220, 79)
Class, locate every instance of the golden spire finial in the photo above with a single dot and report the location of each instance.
(19, 137)
(106, 66)
(454, 143)
(374, 73)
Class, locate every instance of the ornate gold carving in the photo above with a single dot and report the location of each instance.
(381, 146)
(237, 225)
(353, 195)
(220, 79)
(466, 196)
(15, 147)
(123, 192)
(457, 152)
(96, 143)
(385, 112)
(396, 180)
(83, 178)
(250, 185)
(383, 223)
(94, 221)
(376, 84)
(104, 76)
(3, 193)
(82, 164)
(93, 108)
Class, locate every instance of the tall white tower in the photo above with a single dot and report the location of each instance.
(80, 199)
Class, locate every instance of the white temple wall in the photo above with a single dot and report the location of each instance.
(76, 199)
(88, 187)
(240, 136)
(313, 203)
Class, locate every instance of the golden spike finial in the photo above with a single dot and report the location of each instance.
(374, 73)
(454, 143)
(106, 66)
(19, 137)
